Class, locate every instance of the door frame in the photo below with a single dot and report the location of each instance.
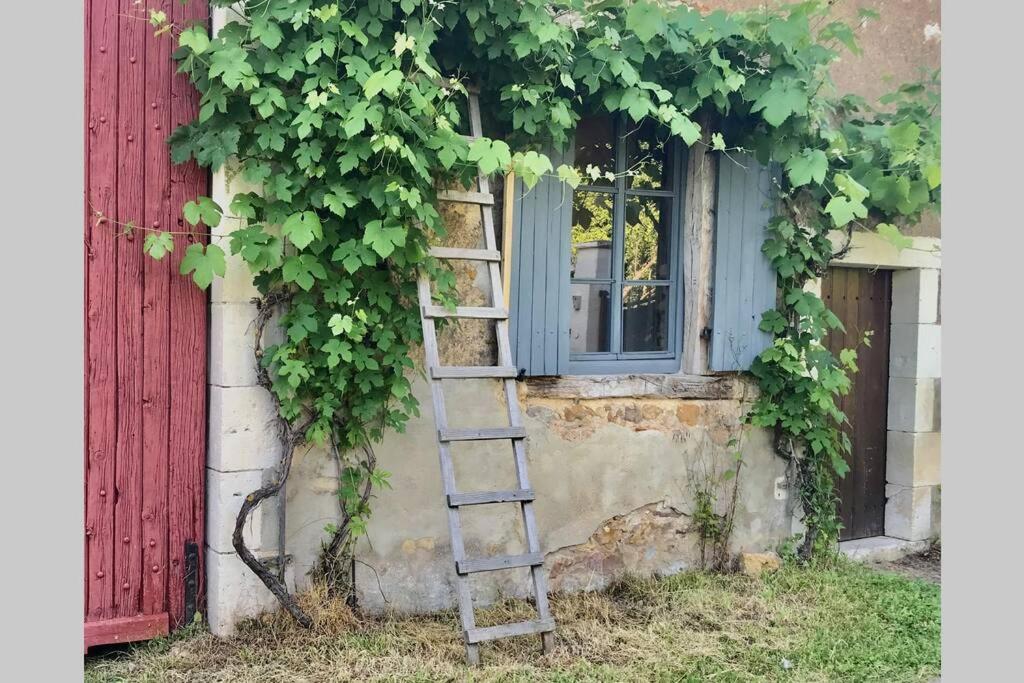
(913, 443)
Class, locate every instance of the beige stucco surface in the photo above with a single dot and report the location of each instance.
(614, 481)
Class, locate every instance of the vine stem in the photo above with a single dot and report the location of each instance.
(290, 438)
(273, 582)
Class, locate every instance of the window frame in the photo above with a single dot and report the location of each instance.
(622, 362)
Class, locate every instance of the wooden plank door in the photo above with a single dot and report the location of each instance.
(145, 326)
(862, 299)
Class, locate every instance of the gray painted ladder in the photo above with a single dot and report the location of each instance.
(515, 432)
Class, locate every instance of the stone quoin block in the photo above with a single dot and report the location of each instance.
(236, 287)
(234, 593)
(243, 429)
(915, 350)
(908, 512)
(914, 404)
(913, 458)
(232, 363)
(225, 492)
(915, 296)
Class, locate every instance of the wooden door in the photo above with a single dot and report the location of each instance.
(145, 327)
(861, 299)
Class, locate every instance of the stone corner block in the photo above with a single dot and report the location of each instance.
(242, 429)
(914, 404)
(915, 296)
(232, 362)
(913, 458)
(233, 593)
(225, 492)
(236, 287)
(915, 350)
(909, 512)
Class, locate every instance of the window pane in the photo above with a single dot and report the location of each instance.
(595, 146)
(645, 252)
(591, 235)
(589, 318)
(644, 318)
(648, 160)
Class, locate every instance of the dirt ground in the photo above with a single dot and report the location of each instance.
(925, 565)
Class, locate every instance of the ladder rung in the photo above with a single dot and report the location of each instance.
(484, 434)
(490, 564)
(466, 254)
(485, 497)
(523, 628)
(465, 312)
(466, 197)
(473, 371)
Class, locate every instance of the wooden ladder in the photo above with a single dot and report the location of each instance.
(523, 495)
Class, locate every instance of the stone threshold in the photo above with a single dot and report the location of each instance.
(881, 548)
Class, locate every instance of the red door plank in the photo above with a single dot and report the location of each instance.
(85, 308)
(156, 323)
(188, 359)
(125, 629)
(131, 180)
(101, 314)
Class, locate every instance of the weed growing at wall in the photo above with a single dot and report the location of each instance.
(346, 115)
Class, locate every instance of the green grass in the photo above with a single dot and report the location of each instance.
(845, 623)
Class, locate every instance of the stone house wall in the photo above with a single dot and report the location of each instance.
(614, 461)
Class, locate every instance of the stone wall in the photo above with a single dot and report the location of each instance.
(614, 461)
(902, 45)
(614, 480)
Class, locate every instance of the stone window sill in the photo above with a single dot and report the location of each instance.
(702, 387)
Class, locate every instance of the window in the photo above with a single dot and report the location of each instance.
(624, 249)
(596, 272)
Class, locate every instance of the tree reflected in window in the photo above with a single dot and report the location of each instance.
(622, 281)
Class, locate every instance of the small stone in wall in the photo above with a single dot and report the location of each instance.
(755, 564)
(688, 414)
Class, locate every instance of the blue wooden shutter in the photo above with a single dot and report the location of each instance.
(744, 281)
(540, 282)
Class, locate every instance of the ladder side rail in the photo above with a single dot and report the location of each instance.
(432, 358)
(511, 395)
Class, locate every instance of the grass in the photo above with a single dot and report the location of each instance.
(845, 623)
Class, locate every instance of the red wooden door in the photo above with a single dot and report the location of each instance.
(862, 299)
(145, 395)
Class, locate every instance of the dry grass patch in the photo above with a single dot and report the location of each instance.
(845, 623)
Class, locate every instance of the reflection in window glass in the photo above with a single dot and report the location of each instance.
(645, 250)
(589, 318)
(591, 235)
(595, 146)
(644, 318)
(648, 163)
